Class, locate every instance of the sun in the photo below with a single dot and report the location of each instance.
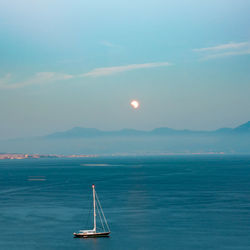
(135, 104)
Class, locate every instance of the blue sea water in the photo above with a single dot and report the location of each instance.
(175, 202)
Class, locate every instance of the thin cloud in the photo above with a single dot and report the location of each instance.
(224, 50)
(4, 80)
(108, 44)
(38, 78)
(232, 53)
(225, 46)
(118, 69)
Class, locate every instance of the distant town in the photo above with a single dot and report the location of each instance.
(4, 156)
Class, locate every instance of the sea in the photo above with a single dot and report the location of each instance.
(155, 202)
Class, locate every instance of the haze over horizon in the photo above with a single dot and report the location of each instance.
(79, 64)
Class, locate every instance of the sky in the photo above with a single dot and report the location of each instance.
(80, 63)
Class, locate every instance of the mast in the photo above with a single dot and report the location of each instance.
(93, 187)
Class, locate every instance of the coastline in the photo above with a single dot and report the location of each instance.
(17, 156)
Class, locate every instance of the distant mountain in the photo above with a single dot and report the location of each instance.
(92, 132)
(76, 132)
(165, 131)
(80, 132)
(244, 128)
(163, 140)
(223, 130)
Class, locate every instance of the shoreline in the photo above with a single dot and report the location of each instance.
(17, 156)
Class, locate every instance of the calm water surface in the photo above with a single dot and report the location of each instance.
(151, 203)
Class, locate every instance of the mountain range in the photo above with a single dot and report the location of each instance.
(79, 132)
(164, 140)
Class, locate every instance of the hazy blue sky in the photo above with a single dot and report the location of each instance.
(79, 63)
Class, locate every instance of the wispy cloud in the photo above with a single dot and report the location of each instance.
(225, 46)
(7, 82)
(118, 69)
(38, 78)
(108, 44)
(229, 53)
(224, 50)
(5, 79)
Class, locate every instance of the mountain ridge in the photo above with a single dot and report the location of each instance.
(81, 132)
(163, 140)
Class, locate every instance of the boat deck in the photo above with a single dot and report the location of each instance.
(91, 235)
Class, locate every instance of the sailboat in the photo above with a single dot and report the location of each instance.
(105, 231)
